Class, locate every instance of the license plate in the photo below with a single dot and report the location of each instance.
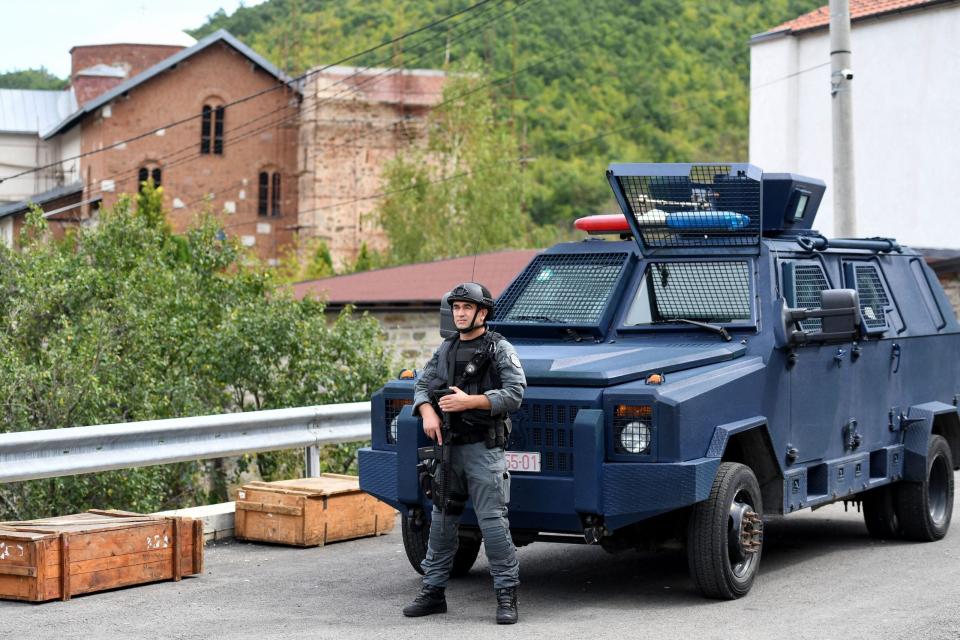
(523, 461)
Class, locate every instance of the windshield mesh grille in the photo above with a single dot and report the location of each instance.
(562, 288)
(717, 291)
(712, 206)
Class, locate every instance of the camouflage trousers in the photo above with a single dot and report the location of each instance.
(482, 474)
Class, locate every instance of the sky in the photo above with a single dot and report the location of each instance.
(35, 33)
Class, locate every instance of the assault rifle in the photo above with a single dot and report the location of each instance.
(440, 453)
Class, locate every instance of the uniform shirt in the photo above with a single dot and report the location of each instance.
(503, 401)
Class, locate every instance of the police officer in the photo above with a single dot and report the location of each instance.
(478, 418)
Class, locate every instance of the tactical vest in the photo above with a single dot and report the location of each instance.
(475, 425)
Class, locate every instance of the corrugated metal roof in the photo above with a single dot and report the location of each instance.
(423, 282)
(32, 111)
(41, 198)
(218, 36)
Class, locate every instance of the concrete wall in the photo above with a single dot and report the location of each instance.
(906, 91)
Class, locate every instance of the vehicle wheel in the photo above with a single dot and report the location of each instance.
(925, 507)
(415, 541)
(725, 534)
(880, 513)
(415, 544)
(467, 554)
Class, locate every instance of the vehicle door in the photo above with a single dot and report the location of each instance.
(820, 377)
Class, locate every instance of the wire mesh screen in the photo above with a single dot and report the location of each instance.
(568, 289)
(707, 208)
(873, 297)
(701, 291)
(809, 282)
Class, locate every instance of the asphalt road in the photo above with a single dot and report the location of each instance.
(821, 577)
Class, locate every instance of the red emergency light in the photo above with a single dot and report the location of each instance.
(603, 224)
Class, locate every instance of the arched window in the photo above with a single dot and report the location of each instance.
(268, 195)
(147, 173)
(211, 129)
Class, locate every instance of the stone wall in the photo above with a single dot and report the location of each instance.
(951, 284)
(353, 122)
(412, 336)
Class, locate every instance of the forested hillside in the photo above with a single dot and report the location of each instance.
(582, 83)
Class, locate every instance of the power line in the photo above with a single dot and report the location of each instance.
(253, 95)
(789, 75)
(131, 174)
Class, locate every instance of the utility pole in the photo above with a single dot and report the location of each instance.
(841, 77)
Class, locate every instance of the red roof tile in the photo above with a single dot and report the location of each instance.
(858, 9)
(423, 282)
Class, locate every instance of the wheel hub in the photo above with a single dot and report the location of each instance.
(745, 535)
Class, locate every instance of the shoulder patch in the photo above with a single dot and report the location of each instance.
(514, 360)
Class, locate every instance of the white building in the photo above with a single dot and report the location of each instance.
(24, 116)
(906, 105)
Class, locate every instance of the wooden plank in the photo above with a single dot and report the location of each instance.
(126, 560)
(19, 588)
(39, 559)
(64, 566)
(196, 565)
(177, 556)
(18, 570)
(277, 509)
(134, 539)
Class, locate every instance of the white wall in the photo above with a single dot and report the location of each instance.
(906, 105)
(22, 151)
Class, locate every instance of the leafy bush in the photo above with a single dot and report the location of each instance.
(127, 322)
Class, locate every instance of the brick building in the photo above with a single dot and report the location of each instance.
(405, 300)
(353, 122)
(239, 159)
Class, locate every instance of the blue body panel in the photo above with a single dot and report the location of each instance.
(890, 389)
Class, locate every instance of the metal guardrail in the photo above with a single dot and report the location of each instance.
(31, 455)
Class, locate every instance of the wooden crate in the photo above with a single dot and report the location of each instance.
(56, 558)
(310, 512)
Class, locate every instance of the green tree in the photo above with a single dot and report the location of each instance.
(127, 322)
(32, 79)
(463, 192)
(583, 84)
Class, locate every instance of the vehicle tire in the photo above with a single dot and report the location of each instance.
(925, 507)
(415, 544)
(725, 534)
(467, 554)
(880, 513)
(415, 541)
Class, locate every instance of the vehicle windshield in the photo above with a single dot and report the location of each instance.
(699, 291)
(562, 289)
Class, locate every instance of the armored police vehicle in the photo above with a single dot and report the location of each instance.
(716, 363)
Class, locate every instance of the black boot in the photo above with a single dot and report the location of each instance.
(429, 600)
(507, 605)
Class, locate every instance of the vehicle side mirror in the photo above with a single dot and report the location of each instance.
(839, 310)
(447, 327)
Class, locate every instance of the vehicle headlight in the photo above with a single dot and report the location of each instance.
(633, 428)
(634, 437)
(392, 415)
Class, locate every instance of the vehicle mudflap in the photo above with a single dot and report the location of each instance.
(917, 424)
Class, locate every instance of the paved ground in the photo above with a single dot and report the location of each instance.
(822, 577)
